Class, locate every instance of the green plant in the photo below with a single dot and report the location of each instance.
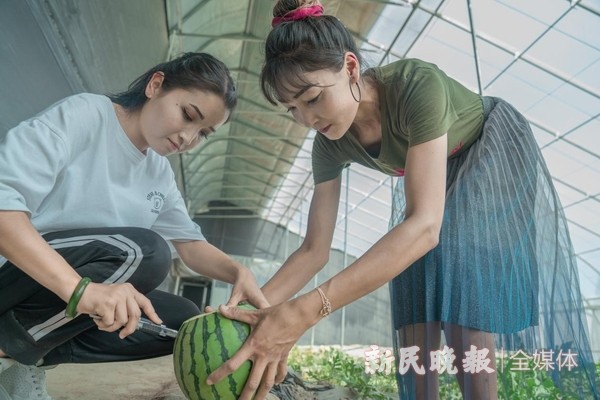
(532, 383)
(333, 366)
(338, 368)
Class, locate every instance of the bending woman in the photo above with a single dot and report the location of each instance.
(478, 246)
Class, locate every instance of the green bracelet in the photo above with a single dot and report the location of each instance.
(71, 311)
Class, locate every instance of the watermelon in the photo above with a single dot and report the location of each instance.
(203, 344)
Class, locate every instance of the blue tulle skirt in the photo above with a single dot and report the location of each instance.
(504, 263)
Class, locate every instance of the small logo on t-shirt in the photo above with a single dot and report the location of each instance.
(156, 199)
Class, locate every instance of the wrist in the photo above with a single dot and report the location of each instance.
(65, 288)
(312, 307)
(325, 303)
(71, 310)
(240, 273)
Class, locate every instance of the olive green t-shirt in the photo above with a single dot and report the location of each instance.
(418, 102)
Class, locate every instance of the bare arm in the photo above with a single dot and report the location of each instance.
(313, 254)
(24, 247)
(425, 186)
(276, 329)
(205, 259)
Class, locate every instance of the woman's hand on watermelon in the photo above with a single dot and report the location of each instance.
(205, 259)
(273, 333)
(246, 289)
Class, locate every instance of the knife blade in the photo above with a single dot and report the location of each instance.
(145, 325)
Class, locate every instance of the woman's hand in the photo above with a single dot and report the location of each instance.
(116, 306)
(273, 333)
(205, 259)
(245, 288)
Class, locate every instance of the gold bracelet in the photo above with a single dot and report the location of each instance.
(326, 310)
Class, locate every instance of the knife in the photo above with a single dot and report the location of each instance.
(145, 325)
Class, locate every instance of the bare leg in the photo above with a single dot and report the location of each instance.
(427, 337)
(482, 385)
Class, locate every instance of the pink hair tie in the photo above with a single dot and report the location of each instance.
(299, 13)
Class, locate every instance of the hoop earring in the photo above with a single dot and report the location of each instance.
(352, 92)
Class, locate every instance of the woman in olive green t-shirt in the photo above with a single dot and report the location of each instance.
(477, 241)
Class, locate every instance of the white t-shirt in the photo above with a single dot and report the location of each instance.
(72, 166)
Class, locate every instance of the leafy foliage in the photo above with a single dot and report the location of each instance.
(331, 365)
(336, 367)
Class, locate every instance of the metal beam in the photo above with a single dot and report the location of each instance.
(474, 43)
(508, 51)
(521, 54)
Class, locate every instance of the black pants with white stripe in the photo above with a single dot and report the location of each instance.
(33, 326)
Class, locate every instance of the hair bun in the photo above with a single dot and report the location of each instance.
(283, 13)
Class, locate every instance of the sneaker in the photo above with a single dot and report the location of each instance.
(22, 382)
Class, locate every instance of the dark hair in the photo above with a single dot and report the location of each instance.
(295, 47)
(188, 71)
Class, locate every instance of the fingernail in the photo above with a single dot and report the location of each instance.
(209, 381)
(225, 307)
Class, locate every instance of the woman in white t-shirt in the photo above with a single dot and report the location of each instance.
(88, 202)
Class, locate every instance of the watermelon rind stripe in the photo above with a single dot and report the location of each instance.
(225, 351)
(195, 380)
(182, 336)
(241, 329)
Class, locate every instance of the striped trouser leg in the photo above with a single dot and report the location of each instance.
(32, 318)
